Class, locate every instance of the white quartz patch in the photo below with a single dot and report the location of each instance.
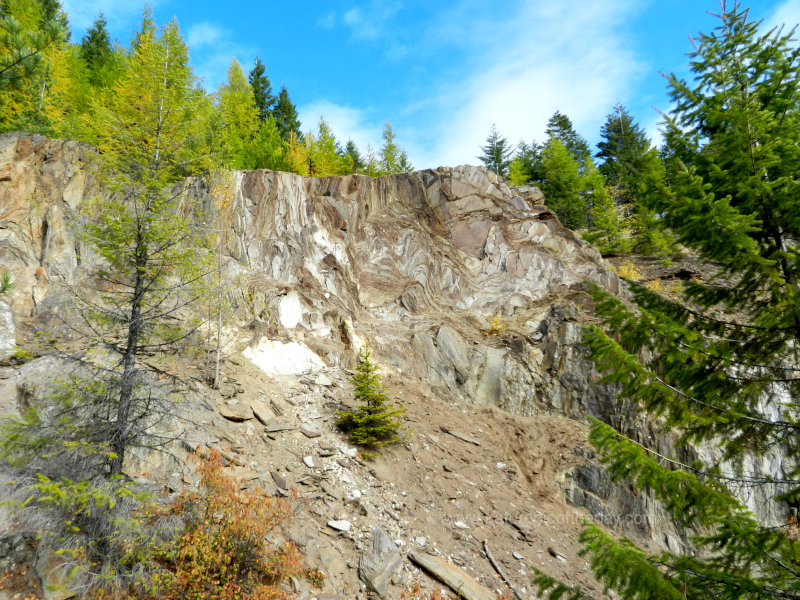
(276, 358)
(290, 310)
(8, 336)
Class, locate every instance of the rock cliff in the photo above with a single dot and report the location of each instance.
(450, 274)
(469, 291)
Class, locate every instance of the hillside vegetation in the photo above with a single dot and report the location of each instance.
(709, 369)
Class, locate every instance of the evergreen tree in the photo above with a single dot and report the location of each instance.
(628, 159)
(268, 149)
(52, 11)
(104, 63)
(562, 185)
(69, 458)
(237, 121)
(496, 153)
(144, 128)
(374, 422)
(517, 175)
(559, 126)
(720, 367)
(324, 156)
(371, 165)
(605, 228)
(27, 42)
(393, 159)
(297, 160)
(262, 90)
(623, 150)
(6, 283)
(353, 157)
(650, 234)
(527, 163)
(285, 115)
(96, 45)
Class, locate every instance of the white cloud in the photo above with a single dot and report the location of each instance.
(653, 130)
(203, 34)
(353, 17)
(212, 49)
(544, 58)
(787, 13)
(82, 13)
(367, 21)
(347, 123)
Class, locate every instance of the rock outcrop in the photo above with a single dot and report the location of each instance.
(465, 288)
(451, 275)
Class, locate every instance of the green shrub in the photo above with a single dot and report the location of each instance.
(6, 283)
(375, 422)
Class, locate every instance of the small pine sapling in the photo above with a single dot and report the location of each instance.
(375, 422)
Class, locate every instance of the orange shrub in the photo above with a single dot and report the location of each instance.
(228, 550)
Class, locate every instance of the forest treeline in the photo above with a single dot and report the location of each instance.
(57, 86)
(53, 85)
(596, 194)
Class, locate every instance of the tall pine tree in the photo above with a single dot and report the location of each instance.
(353, 157)
(719, 367)
(96, 45)
(324, 156)
(496, 153)
(562, 184)
(285, 115)
(622, 149)
(149, 130)
(237, 121)
(28, 43)
(393, 159)
(262, 90)
(605, 223)
(559, 126)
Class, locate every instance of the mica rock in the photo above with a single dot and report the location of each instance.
(379, 562)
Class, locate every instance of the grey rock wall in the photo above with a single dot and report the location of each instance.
(455, 279)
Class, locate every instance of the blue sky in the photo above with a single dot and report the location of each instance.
(443, 72)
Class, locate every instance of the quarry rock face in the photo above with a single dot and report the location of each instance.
(450, 275)
(465, 289)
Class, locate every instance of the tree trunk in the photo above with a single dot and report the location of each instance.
(121, 429)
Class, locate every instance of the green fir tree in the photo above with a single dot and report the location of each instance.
(720, 366)
(393, 159)
(605, 224)
(149, 130)
(623, 151)
(375, 422)
(285, 115)
(353, 157)
(496, 153)
(262, 90)
(324, 156)
(95, 47)
(237, 121)
(562, 185)
(560, 127)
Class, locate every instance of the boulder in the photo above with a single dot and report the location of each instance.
(456, 579)
(379, 562)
